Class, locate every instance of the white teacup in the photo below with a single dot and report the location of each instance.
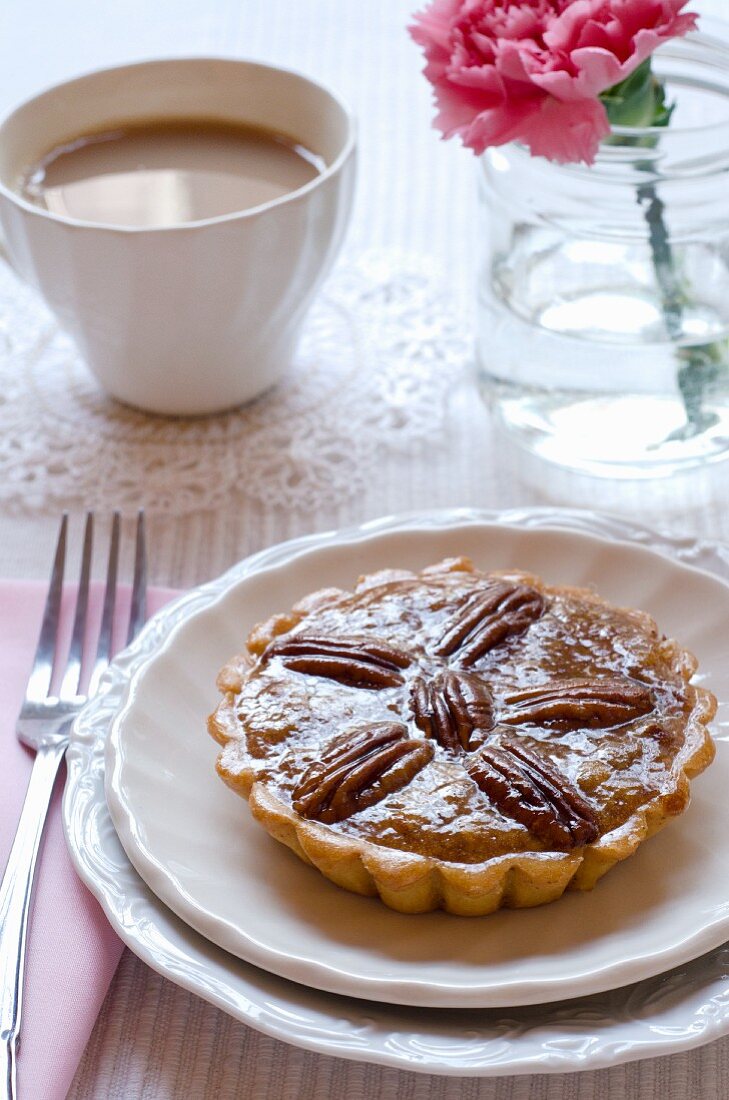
(194, 318)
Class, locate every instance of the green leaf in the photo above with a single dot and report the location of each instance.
(638, 101)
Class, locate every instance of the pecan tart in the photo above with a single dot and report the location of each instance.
(461, 740)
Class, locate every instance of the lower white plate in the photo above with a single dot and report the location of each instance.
(676, 1010)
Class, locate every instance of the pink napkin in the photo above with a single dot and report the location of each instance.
(72, 951)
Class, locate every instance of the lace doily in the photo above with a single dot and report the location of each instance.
(379, 355)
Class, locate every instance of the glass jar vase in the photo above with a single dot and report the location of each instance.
(603, 299)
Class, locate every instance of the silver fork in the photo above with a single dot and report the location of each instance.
(44, 725)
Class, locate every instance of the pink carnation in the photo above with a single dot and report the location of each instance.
(532, 70)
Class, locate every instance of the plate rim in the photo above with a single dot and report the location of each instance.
(102, 864)
(334, 977)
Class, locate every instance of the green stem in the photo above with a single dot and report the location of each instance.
(698, 367)
(640, 101)
(663, 262)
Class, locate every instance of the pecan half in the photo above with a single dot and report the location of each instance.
(452, 708)
(597, 703)
(531, 791)
(487, 618)
(358, 770)
(358, 661)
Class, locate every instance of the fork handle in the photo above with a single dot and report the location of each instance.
(15, 896)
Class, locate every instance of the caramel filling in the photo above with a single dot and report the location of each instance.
(523, 718)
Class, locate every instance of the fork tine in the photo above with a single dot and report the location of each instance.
(71, 683)
(138, 610)
(103, 649)
(39, 682)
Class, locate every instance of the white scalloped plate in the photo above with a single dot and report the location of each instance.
(679, 1010)
(196, 845)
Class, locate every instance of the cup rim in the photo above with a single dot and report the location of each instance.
(250, 212)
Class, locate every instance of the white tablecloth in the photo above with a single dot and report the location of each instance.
(415, 200)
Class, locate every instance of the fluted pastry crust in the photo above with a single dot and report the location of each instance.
(459, 740)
